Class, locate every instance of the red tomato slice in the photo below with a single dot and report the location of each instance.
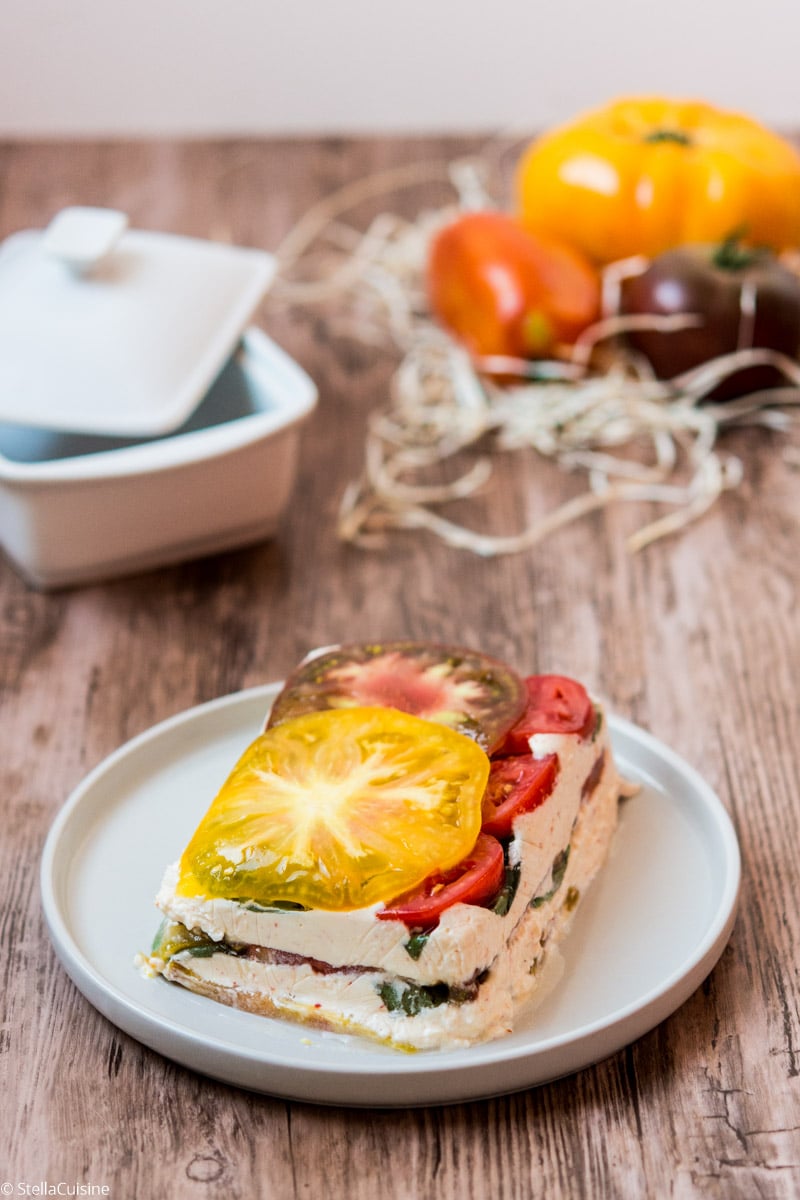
(516, 785)
(476, 879)
(555, 705)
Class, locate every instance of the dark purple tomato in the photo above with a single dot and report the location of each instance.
(746, 298)
(472, 693)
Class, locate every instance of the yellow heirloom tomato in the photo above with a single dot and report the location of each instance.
(339, 809)
(642, 175)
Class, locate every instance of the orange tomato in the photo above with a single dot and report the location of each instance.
(503, 291)
(642, 175)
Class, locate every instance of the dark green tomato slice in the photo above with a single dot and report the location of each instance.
(463, 689)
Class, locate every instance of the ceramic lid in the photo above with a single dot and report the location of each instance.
(110, 330)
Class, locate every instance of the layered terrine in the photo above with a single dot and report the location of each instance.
(401, 850)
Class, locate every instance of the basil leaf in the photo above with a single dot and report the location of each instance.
(173, 938)
(558, 871)
(412, 998)
(416, 944)
(505, 897)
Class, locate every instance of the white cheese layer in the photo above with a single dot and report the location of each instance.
(468, 938)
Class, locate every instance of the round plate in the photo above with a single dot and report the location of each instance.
(651, 928)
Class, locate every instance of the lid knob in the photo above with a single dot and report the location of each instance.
(81, 237)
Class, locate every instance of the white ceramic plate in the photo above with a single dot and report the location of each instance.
(651, 928)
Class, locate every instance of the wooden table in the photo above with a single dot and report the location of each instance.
(697, 639)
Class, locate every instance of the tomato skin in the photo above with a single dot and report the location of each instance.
(556, 704)
(503, 291)
(475, 880)
(516, 785)
(643, 174)
(720, 284)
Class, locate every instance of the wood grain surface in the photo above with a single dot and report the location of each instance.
(697, 639)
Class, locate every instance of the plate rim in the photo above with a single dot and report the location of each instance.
(112, 1003)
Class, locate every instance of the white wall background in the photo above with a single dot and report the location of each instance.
(148, 67)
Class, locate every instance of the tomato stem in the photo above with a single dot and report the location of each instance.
(669, 135)
(730, 255)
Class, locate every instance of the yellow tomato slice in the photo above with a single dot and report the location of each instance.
(339, 810)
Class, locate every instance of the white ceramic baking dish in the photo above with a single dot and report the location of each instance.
(77, 508)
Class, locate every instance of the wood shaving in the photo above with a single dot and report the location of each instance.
(636, 438)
